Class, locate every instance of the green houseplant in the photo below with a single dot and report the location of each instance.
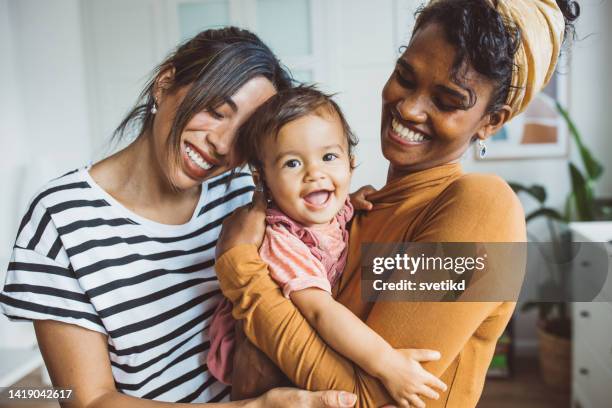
(554, 324)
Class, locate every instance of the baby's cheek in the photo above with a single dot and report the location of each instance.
(344, 182)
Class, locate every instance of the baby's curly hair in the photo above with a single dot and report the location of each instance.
(284, 107)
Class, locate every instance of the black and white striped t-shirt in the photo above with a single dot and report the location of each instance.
(81, 257)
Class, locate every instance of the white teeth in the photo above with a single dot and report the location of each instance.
(197, 159)
(406, 133)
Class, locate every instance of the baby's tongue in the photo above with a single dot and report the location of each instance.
(317, 198)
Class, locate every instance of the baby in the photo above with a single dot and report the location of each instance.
(301, 149)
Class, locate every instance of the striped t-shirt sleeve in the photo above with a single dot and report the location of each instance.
(40, 282)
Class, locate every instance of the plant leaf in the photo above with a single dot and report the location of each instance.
(568, 211)
(516, 187)
(583, 195)
(539, 192)
(536, 191)
(593, 168)
(545, 212)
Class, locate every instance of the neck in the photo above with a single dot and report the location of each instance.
(395, 172)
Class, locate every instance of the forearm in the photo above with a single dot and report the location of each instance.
(460, 321)
(276, 327)
(343, 331)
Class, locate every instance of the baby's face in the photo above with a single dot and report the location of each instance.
(307, 168)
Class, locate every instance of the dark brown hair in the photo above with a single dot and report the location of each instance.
(215, 63)
(282, 108)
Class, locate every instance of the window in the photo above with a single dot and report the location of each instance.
(289, 27)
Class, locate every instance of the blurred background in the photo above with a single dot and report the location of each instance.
(70, 70)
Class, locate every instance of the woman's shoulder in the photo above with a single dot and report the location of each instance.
(56, 190)
(53, 197)
(482, 190)
(475, 208)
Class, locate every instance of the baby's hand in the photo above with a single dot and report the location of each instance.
(406, 379)
(359, 198)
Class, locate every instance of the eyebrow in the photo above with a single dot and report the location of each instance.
(456, 93)
(295, 153)
(405, 65)
(338, 145)
(470, 99)
(231, 104)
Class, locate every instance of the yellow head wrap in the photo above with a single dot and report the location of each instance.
(542, 28)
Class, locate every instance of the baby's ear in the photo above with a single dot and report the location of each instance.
(257, 179)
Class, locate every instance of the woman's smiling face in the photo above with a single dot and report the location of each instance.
(428, 117)
(207, 139)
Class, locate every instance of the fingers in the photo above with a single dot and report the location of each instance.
(416, 401)
(369, 189)
(361, 204)
(435, 382)
(424, 355)
(402, 403)
(429, 393)
(337, 399)
(359, 198)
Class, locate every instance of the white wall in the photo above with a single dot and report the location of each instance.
(363, 51)
(124, 41)
(44, 123)
(12, 137)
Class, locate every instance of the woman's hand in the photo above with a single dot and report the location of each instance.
(293, 397)
(245, 226)
(407, 381)
(359, 198)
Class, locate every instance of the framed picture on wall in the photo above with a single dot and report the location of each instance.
(538, 132)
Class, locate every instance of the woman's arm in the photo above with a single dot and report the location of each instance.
(77, 359)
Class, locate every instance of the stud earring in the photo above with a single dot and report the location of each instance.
(482, 149)
(154, 108)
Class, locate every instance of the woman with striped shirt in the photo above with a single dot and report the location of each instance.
(114, 262)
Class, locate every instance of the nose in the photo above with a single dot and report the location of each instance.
(222, 141)
(313, 173)
(412, 109)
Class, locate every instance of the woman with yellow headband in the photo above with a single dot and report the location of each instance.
(470, 67)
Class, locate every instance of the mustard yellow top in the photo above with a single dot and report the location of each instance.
(436, 205)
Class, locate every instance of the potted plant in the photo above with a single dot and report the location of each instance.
(554, 322)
